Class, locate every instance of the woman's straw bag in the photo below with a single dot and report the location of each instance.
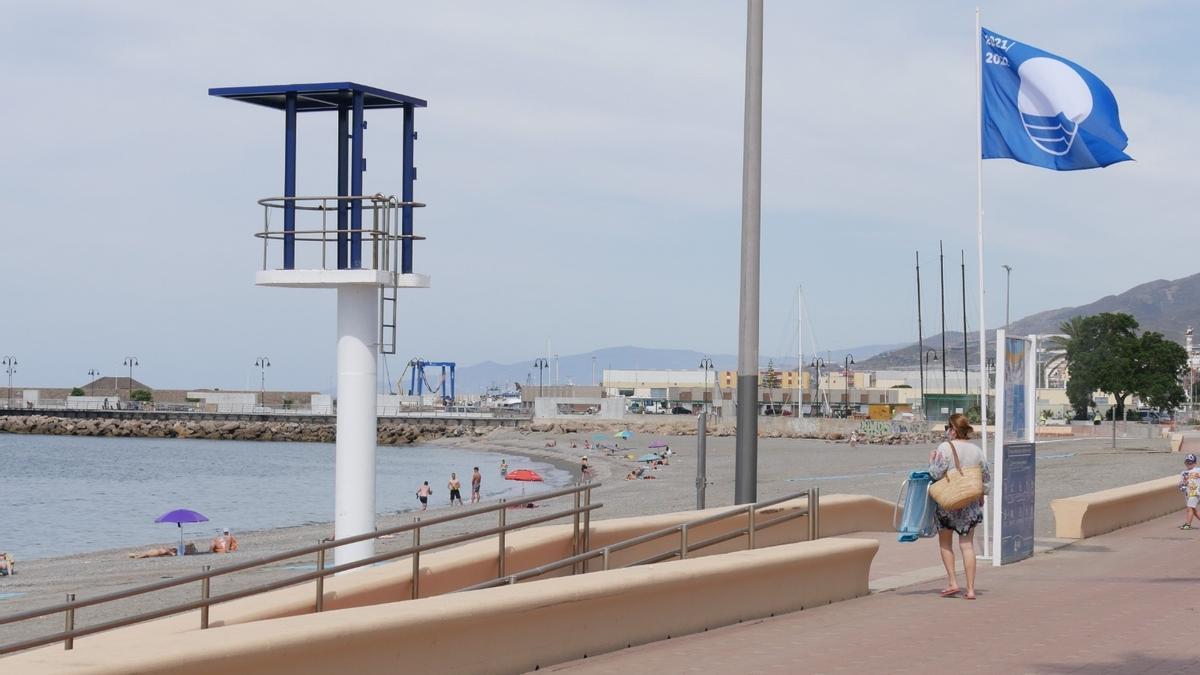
(959, 487)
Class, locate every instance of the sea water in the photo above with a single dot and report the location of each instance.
(61, 495)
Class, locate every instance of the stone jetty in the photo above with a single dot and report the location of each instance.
(303, 432)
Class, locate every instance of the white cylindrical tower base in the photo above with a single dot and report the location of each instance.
(354, 482)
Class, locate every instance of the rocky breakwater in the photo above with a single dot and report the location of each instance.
(389, 433)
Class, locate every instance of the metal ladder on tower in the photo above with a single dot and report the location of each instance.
(387, 317)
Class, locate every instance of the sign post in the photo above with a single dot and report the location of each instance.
(1015, 449)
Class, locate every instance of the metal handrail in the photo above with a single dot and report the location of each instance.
(376, 234)
(812, 509)
(381, 201)
(205, 576)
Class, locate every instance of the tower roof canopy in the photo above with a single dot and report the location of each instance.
(317, 96)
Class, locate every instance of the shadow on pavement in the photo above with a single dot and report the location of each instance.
(1132, 662)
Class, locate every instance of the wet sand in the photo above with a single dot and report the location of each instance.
(785, 466)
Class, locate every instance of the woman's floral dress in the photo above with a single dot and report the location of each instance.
(960, 520)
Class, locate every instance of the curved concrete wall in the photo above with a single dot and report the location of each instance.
(506, 629)
(452, 569)
(1099, 512)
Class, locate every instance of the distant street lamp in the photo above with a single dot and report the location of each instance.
(541, 364)
(847, 362)
(593, 371)
(818, 363)
(707, 364)
(928, 354)
(9, 364)
(262, 363)
(95, 375)
(130, 361)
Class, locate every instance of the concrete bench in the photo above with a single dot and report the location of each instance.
(1107, 510)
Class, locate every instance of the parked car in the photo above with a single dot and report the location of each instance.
(680, 410)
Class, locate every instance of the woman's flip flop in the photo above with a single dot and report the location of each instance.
(951, 592)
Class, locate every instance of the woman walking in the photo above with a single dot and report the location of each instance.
(963, 520)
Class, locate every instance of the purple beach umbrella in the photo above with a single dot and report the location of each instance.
(179, 517)
(658, 444)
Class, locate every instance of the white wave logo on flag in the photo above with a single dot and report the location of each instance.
(1053, 101)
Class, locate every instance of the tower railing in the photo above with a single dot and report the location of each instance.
(383, 239)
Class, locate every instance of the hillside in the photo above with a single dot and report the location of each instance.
(1168, 307)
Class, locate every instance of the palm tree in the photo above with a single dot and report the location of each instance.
(1070, 330)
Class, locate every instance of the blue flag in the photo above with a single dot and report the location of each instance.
(1044, 110)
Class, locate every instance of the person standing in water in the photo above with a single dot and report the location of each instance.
(476, 480)
(455, 486)
(423, 494)
(503, 468)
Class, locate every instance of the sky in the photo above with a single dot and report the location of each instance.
(581, 162)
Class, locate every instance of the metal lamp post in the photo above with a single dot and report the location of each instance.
(94, 373)
(9, 364)
(847, 362)
(130, 361)
(707, 364)
(1007, 287)
(262, 363)
(925, 359)
(541, 364)
(818, 363)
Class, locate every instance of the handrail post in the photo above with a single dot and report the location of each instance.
(606, 554)
(587, 524)
(575, 538)
(266, 232)
(815, 509)
(808, 496)
(750, 526)
(500, 536)
(204, 592)
(683, 541)
(324, 229)
(320, 603)
(69, 642)
(416, 562)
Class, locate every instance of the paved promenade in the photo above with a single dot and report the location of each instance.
(1125, 602)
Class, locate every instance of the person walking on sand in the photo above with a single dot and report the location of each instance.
(424, 493)
(455, 486)
(476, 480)
(964, 520)
(1189, 485)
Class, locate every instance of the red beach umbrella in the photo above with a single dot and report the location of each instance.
(524, 474)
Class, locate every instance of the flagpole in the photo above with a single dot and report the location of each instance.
(983, 389)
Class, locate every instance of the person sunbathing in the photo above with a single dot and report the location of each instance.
(226, 543)
(163, 551)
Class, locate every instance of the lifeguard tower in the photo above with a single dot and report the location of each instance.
(361, 245)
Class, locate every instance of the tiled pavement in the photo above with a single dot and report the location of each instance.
(1125, 602)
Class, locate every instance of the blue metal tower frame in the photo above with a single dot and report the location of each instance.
(351, 101)
(416, 386)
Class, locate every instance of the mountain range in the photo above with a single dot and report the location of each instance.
(1167, 307)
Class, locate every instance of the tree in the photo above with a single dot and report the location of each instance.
(77, 392)
(1106, 354)
(1161, 365)
(141, 395)
(771, 377)
(1103, 355)
(1079, 394)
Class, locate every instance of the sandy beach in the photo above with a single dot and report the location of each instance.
(1064, 468)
